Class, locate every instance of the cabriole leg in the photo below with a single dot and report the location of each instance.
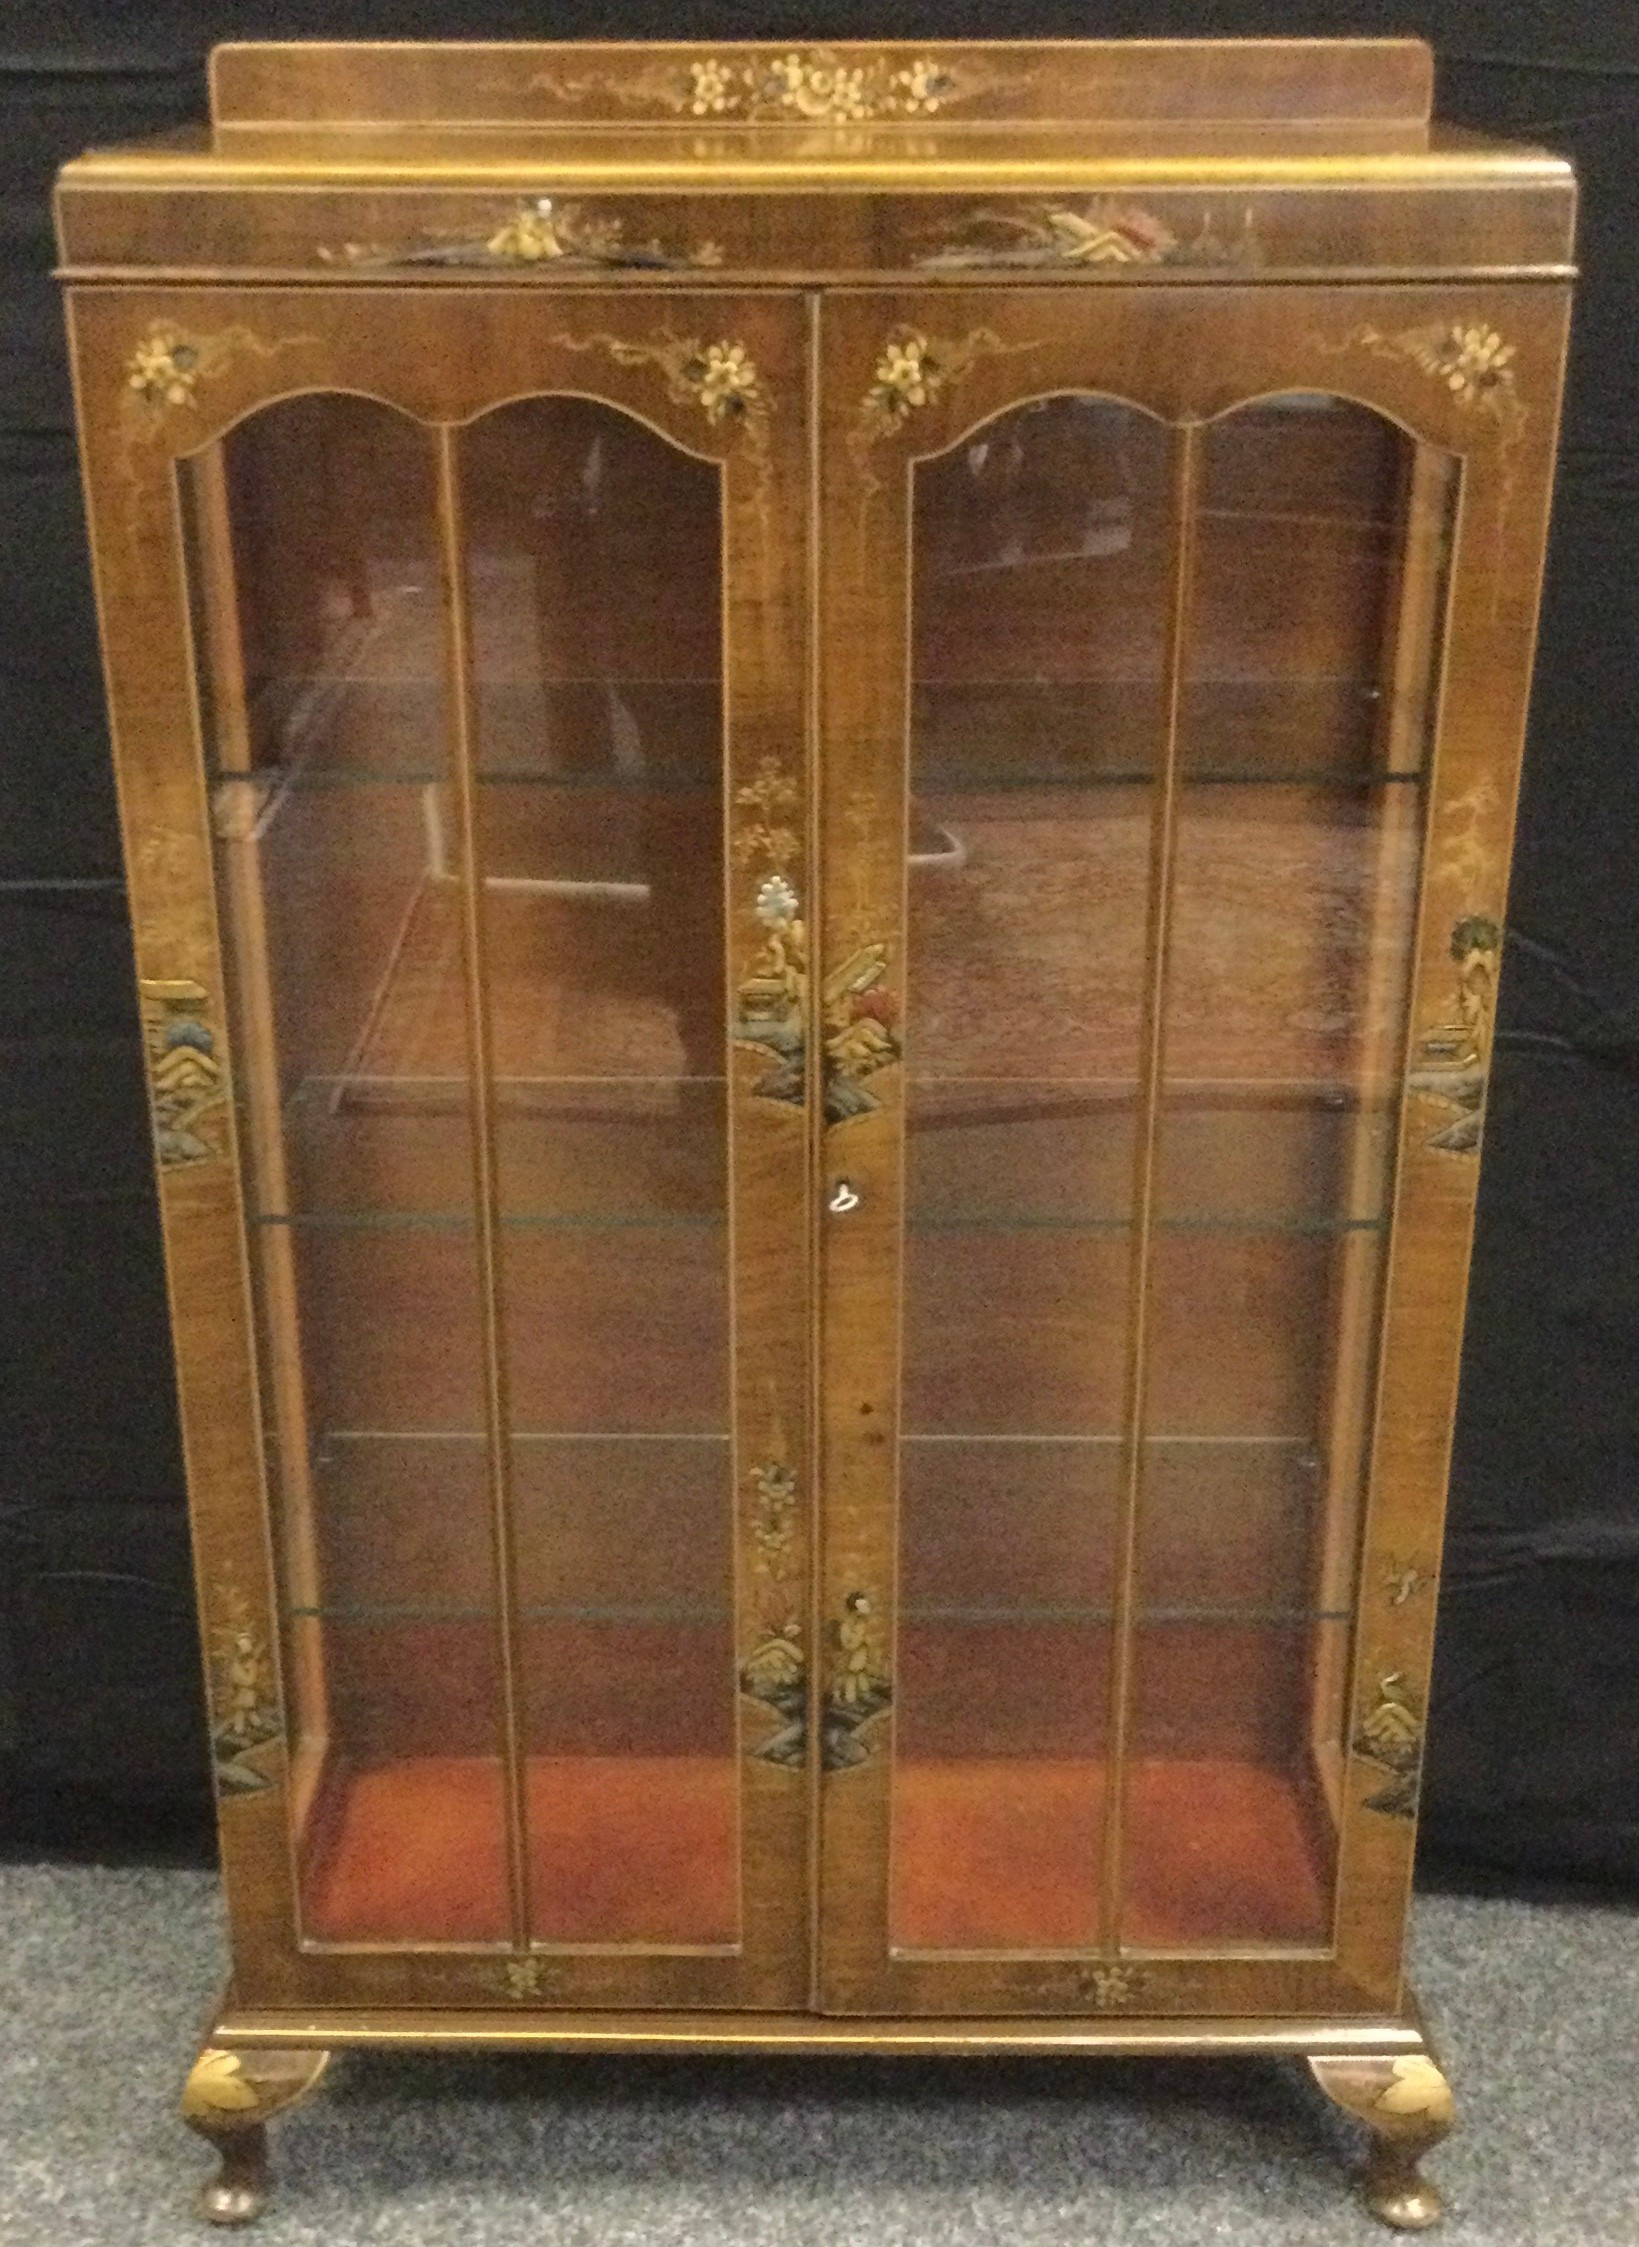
(1405, 2103)
(228, 2099)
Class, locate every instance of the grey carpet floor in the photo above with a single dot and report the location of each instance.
(105, 1975)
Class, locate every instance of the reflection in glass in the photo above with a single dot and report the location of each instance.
(1039, 560)
(359, 997)
(595, 586)
(320, 620)
(1308, 679)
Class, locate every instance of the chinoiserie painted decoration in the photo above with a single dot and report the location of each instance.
(186, 1078)
(1102, 234)
(858, 1689)
(544, 233)
(1391, 1736)
(775, 1672)
(1451, 1061)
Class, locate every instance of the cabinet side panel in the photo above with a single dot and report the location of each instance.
(1500, 358)
(137, 557)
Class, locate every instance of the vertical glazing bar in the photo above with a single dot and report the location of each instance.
(1163, 840)
(458, 642)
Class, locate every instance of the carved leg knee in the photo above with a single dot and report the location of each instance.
(228, 2099)
(1405, 2102)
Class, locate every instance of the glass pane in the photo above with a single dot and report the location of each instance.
(1039, 550)
(1308, 687)
(1227, 1837)
(320, 628)
(595, 582)
(408, 1838)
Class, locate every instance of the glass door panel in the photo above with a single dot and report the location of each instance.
(1286, 936)
(594, 580)
(1039, 573)
(1170, 691)
(320, 624)
(486, 690)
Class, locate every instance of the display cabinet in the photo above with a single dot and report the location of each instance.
(817, 752)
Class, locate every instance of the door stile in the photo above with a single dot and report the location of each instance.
(864, 637)
(769, 871)
(1152, 1055)
(461, 691)
(813, 1095)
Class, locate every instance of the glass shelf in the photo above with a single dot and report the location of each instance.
(1039, 1614)
(945, 780)
(988, 1221)
(1102, 1438)
(283, 780)
(1077, 1222)
(396, 1220)
(522, 1435)
(672, 1611)
(1297, 1618)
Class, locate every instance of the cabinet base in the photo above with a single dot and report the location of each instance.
(1381, 2071)
(516, 2028)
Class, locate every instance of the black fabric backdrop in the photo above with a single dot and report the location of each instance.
(1535, 1731)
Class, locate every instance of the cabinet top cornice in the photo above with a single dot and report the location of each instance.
(1235, 81)
(344, 159)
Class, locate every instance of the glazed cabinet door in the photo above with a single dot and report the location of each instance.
(456, 648)
(1175, 644)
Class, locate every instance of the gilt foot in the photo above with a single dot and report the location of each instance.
(1405, 2102)
(228, 2099)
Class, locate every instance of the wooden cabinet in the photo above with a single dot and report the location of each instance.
(817, 753)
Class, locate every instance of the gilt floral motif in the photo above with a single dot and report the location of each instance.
(803, 86)
(725, 380)
(164, 369)
(526, 1978)
(1468, 357)
(914, 370)
(721, 378)
(1110, 1987)
(772, 795)
(169, 363)
(1404, 1580)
